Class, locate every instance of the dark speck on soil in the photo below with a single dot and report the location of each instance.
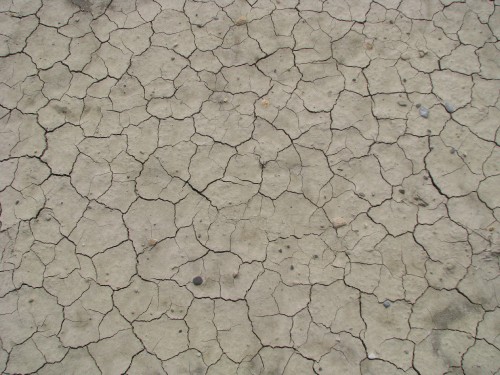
(198, 280)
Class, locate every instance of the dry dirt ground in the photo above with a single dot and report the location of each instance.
(250, 187)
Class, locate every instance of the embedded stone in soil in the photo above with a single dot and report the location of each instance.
(198, 280)
(424, 112)
(449, 107)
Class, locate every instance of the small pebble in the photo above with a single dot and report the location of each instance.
(418, 105)
(198, 280)
(403, 104)
(449, 108)
(424, 112)
(372, 356)
(241, 21)
(387, 304)
(339, 222)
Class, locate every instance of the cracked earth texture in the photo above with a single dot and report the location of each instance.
(279, 150)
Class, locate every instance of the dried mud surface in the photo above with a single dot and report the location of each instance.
(249, 187)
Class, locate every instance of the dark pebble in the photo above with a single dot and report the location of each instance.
(387, 304)
(198, 280)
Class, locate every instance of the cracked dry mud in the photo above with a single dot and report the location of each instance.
(250, 187)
